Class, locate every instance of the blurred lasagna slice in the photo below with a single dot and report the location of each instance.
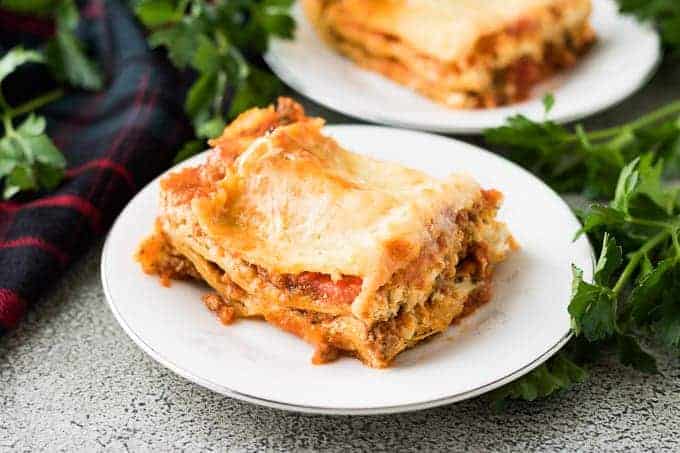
(462, 53)
(350, 253)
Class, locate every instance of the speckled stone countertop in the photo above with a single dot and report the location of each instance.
(70, 379)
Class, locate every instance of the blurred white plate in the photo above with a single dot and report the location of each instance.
(524, 324)
(621, 61)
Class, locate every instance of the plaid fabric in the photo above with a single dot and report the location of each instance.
(115, 141)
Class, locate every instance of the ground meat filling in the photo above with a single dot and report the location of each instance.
(319, 286)
(322, 288)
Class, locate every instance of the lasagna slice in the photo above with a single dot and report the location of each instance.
(350, 253)
(461, 53)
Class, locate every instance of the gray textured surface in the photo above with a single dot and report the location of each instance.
(70, 379)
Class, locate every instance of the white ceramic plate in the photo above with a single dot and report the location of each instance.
(624, 57)
(522, 326)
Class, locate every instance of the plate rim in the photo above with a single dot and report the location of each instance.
(313, 409)
(286, 76)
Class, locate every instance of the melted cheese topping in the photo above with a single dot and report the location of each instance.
(294, 201)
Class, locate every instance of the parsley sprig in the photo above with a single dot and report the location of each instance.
(28, 158)
(632, 302)
(221, 40)
(640, 237)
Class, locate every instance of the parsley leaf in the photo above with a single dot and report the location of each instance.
(180, 39)
(258, 89)
(592, 309)
(610, 260)
(29, 160)
(68, 62)
(599, 216)
(667, 327)
(558, 374)
(220, 41)
(654, 301)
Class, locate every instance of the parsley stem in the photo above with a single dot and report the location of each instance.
(676, 242)
(7, 123)
(36, 103)
(651, 223)
(637, 256)
(645, 120)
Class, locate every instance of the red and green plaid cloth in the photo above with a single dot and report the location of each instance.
(115, 141)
